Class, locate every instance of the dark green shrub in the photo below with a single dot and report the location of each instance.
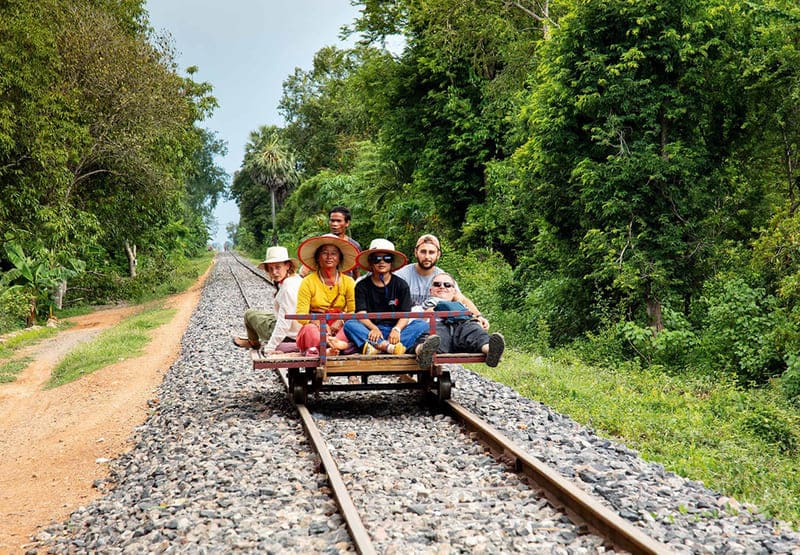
(14, 309)
(772, 427)
(790, 380)
(740, 331)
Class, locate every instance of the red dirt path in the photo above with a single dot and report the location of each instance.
(55, 443)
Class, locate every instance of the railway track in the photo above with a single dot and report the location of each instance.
(587, 513)
(222, 464)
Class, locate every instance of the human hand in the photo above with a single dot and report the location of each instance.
(375, 335)
(394, 336)
(483, 322)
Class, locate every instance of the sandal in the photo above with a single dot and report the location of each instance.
(245, 343)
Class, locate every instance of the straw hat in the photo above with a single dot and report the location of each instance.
(381, 245)
(309, 247)
(279, 254)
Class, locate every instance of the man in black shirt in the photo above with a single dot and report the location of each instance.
(383, 292)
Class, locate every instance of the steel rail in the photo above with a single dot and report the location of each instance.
(561, 491)
(241, 289)
(358, 532)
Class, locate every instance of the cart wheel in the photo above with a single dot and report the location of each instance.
(445, 386)
(425, 382)
(299, 393)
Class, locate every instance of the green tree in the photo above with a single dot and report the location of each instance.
(636, 110)
(269, 165)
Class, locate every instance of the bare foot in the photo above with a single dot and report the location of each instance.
(338, 344)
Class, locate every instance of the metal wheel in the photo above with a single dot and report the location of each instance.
(445, 386)
(299, 393)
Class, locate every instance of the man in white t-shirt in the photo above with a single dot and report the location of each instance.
(420, 275)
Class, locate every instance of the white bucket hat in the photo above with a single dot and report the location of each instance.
(279, 254)
(381, 245)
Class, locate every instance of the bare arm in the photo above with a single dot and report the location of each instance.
(460, 297)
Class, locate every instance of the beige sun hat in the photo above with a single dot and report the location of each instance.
(381, 245)
(308, 249)
(279, 254)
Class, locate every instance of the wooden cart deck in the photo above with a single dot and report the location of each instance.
(313, 373)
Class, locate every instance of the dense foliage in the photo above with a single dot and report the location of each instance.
(619, 177)
(101, 158)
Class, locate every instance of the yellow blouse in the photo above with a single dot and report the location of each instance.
(315, 296)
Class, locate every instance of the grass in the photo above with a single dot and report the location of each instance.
(11, 368)
(23, 338)
(124, 341)
(742, 443)
(181, 278)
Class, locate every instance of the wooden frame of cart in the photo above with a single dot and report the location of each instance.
(310, 374)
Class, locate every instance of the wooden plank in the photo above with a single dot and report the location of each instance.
(373, 364)
(342, 364)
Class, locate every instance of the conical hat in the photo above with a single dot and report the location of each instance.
(307, 249)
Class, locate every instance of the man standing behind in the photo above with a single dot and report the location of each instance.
(280, 268)
(339, 223)
(420, 275)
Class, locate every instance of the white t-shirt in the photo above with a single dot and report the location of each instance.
(418, 284)
(285, 303)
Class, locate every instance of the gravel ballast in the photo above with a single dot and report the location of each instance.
(222, 466)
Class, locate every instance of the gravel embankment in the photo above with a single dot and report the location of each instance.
(222, 466)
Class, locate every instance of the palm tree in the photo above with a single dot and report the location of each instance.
(269, 162)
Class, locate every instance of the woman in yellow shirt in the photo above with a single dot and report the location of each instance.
(325, 289)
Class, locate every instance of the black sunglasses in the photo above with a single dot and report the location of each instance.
(377, 258)
(443, 284)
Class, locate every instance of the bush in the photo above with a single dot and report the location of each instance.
(741, 330)
(790, 380)
(14, 309)
(772, 426)
(486, 278)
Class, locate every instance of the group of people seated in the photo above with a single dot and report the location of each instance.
(388, 285)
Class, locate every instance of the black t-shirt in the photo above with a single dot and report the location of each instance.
(395, 297)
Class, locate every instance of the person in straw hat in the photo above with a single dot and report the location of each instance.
(380, 291)
(326, 289)
(281, 271)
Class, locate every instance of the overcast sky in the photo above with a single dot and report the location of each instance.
(246, 49)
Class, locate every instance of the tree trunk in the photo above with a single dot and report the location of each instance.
(274, 229)
(58, 294)
(654, 315)
(31, 319)
(131, 252)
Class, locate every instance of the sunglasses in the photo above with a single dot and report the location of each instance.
(378, 258)
(445, 284)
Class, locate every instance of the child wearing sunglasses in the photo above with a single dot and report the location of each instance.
(458, 334)
(381, 291)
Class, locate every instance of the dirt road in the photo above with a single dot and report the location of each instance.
(55, 443)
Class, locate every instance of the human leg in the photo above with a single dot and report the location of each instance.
(469, 337)
(259, 324)
(356, 332)
(287, 347)
(426, 350)
(308, 338)
(413, 330)
(495, 348)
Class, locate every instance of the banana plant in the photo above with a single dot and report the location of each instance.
(36, 277)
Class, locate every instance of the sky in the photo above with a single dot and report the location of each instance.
(246, 49)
